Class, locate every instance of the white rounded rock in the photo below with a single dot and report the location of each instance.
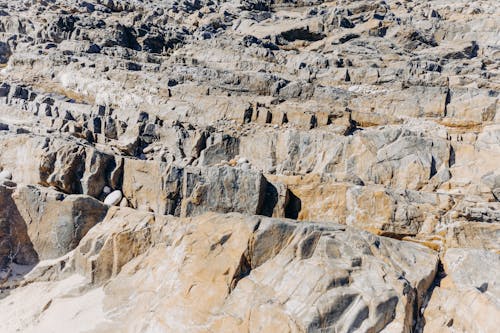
(113, 198)
(6, 175)
(106, 190)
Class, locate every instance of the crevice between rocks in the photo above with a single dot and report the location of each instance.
(419, 321)
(268, 239)
(245, 266)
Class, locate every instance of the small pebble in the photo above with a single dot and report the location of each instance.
(113, 198)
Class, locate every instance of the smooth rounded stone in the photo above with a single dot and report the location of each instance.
(5, 174)
(124, 202)
(113, 198)
(106, 190)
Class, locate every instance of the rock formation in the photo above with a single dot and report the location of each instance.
(249, 165)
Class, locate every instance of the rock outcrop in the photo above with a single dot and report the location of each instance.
(248, 165)
(15, 245)
(56, 222)
(467, 298)
(293, 276)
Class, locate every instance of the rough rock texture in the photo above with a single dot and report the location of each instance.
(55, 222)
(15, 245)
(359, 141)
(468, 298)
(293, 276)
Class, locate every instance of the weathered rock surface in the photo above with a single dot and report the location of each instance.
(56, 222)
(467, 298)
(329, 125)
(222, 189)
(15, 245)
(152, 271)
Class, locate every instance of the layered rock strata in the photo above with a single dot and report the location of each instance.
(304, 166)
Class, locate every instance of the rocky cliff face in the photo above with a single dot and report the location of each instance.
(249, 165)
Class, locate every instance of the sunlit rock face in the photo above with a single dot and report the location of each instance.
(260, 166)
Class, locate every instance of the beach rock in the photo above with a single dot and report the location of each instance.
(468, 292)
(222, 189)
(56, 222)
(15, 245)
(358, 140)
(333, 268)
(114, 198)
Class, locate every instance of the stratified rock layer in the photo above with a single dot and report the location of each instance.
(248, 165)
(166, 274)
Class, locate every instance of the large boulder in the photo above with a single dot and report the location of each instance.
(56, 222)
(152, 186)
(68, 165)
(375, 208)
(467, 298)
(222, 189)
(151, 271)
(15, 244)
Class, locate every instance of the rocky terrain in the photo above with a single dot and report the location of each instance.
(249, 166)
